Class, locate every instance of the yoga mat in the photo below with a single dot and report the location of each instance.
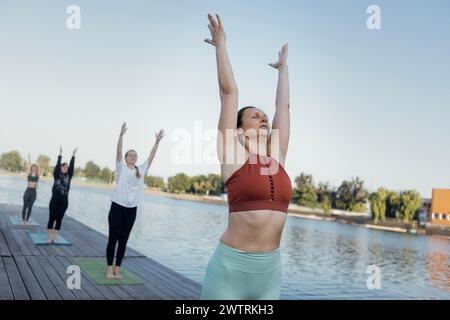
(40, 239)
(96, 268)
(17, 221)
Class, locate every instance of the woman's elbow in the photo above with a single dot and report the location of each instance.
(229, 90)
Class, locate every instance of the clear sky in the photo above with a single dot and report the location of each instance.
(373, 104)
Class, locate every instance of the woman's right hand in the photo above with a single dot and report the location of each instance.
(60, 150)
(123, 129)
(218, 37)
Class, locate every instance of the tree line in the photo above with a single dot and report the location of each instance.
(351, 195)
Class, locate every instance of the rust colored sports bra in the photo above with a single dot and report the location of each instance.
(252, 187)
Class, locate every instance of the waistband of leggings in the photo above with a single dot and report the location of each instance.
(250, 262)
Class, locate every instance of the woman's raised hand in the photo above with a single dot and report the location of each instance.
(123, 129)
(282, 58)
(217, 32)
(159, 135)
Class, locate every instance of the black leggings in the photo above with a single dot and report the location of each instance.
(28, 199)
(121, 220)
(58, 206)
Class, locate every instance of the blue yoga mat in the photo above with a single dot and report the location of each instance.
(40, 239)
(17, 221)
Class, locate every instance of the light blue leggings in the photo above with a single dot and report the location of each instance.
(233, 274)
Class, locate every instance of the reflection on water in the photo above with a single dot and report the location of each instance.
(321, 260)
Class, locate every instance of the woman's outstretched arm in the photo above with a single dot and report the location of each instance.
(281, 120)
(158, 137)
(119, 143)
(72, 163)
(29, 165)
(227, 85)
(57, 170)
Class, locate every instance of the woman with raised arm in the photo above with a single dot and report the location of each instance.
(127, 195)
(30, 193)
(247, 263)
(59, 202)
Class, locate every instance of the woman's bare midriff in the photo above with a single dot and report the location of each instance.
(255, 231)
(31, 185)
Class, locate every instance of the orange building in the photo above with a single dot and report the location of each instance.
(440, 207)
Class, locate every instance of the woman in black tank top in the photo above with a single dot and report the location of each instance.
(30, 193)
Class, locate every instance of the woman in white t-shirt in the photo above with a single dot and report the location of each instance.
(124, 201)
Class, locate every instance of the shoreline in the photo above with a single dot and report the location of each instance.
(355, 219)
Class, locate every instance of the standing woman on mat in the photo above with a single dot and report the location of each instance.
(59, 202)
(247, 263)
(30, 193)
(127, 195)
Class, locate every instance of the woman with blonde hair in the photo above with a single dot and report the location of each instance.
(29, 197)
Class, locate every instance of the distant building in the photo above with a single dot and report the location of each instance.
(440, 207)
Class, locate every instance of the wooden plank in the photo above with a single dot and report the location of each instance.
(176, 281)
(61, 268)
(20, 241)
(4, 249)
(34, 289)
(85, 247)
(33, 249)
(11, 242)
(122, 294)
(154, 287)
(57, 281)
(167, 291)
(15, 280)
(5, 289)
(44, 282)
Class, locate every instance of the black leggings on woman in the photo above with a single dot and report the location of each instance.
(58, 206)
(28, 199)
(121, 220)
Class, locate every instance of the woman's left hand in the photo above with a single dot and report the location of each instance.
(282, 58)
(159, 135)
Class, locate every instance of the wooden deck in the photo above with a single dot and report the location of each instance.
(29, 272)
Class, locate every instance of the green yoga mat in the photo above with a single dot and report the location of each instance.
(17, 221)
(40, 239)
(95, 268)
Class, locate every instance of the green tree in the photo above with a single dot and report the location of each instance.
(326, 205)
(44, 163)
(351, 195)
(378, 204)
(178, 183)
(12, 161)
(91, 170)
(78, 172)
(410, 203)
(325, 195)
(217, 186)
(304, 193)
(393, 205)
(199, 184)
(106, 175)
(154, 182)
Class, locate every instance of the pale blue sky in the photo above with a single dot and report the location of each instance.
(374, 104)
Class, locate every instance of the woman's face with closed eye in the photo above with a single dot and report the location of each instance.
(255, 121)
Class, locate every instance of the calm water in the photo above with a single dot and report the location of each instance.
(321, 260)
